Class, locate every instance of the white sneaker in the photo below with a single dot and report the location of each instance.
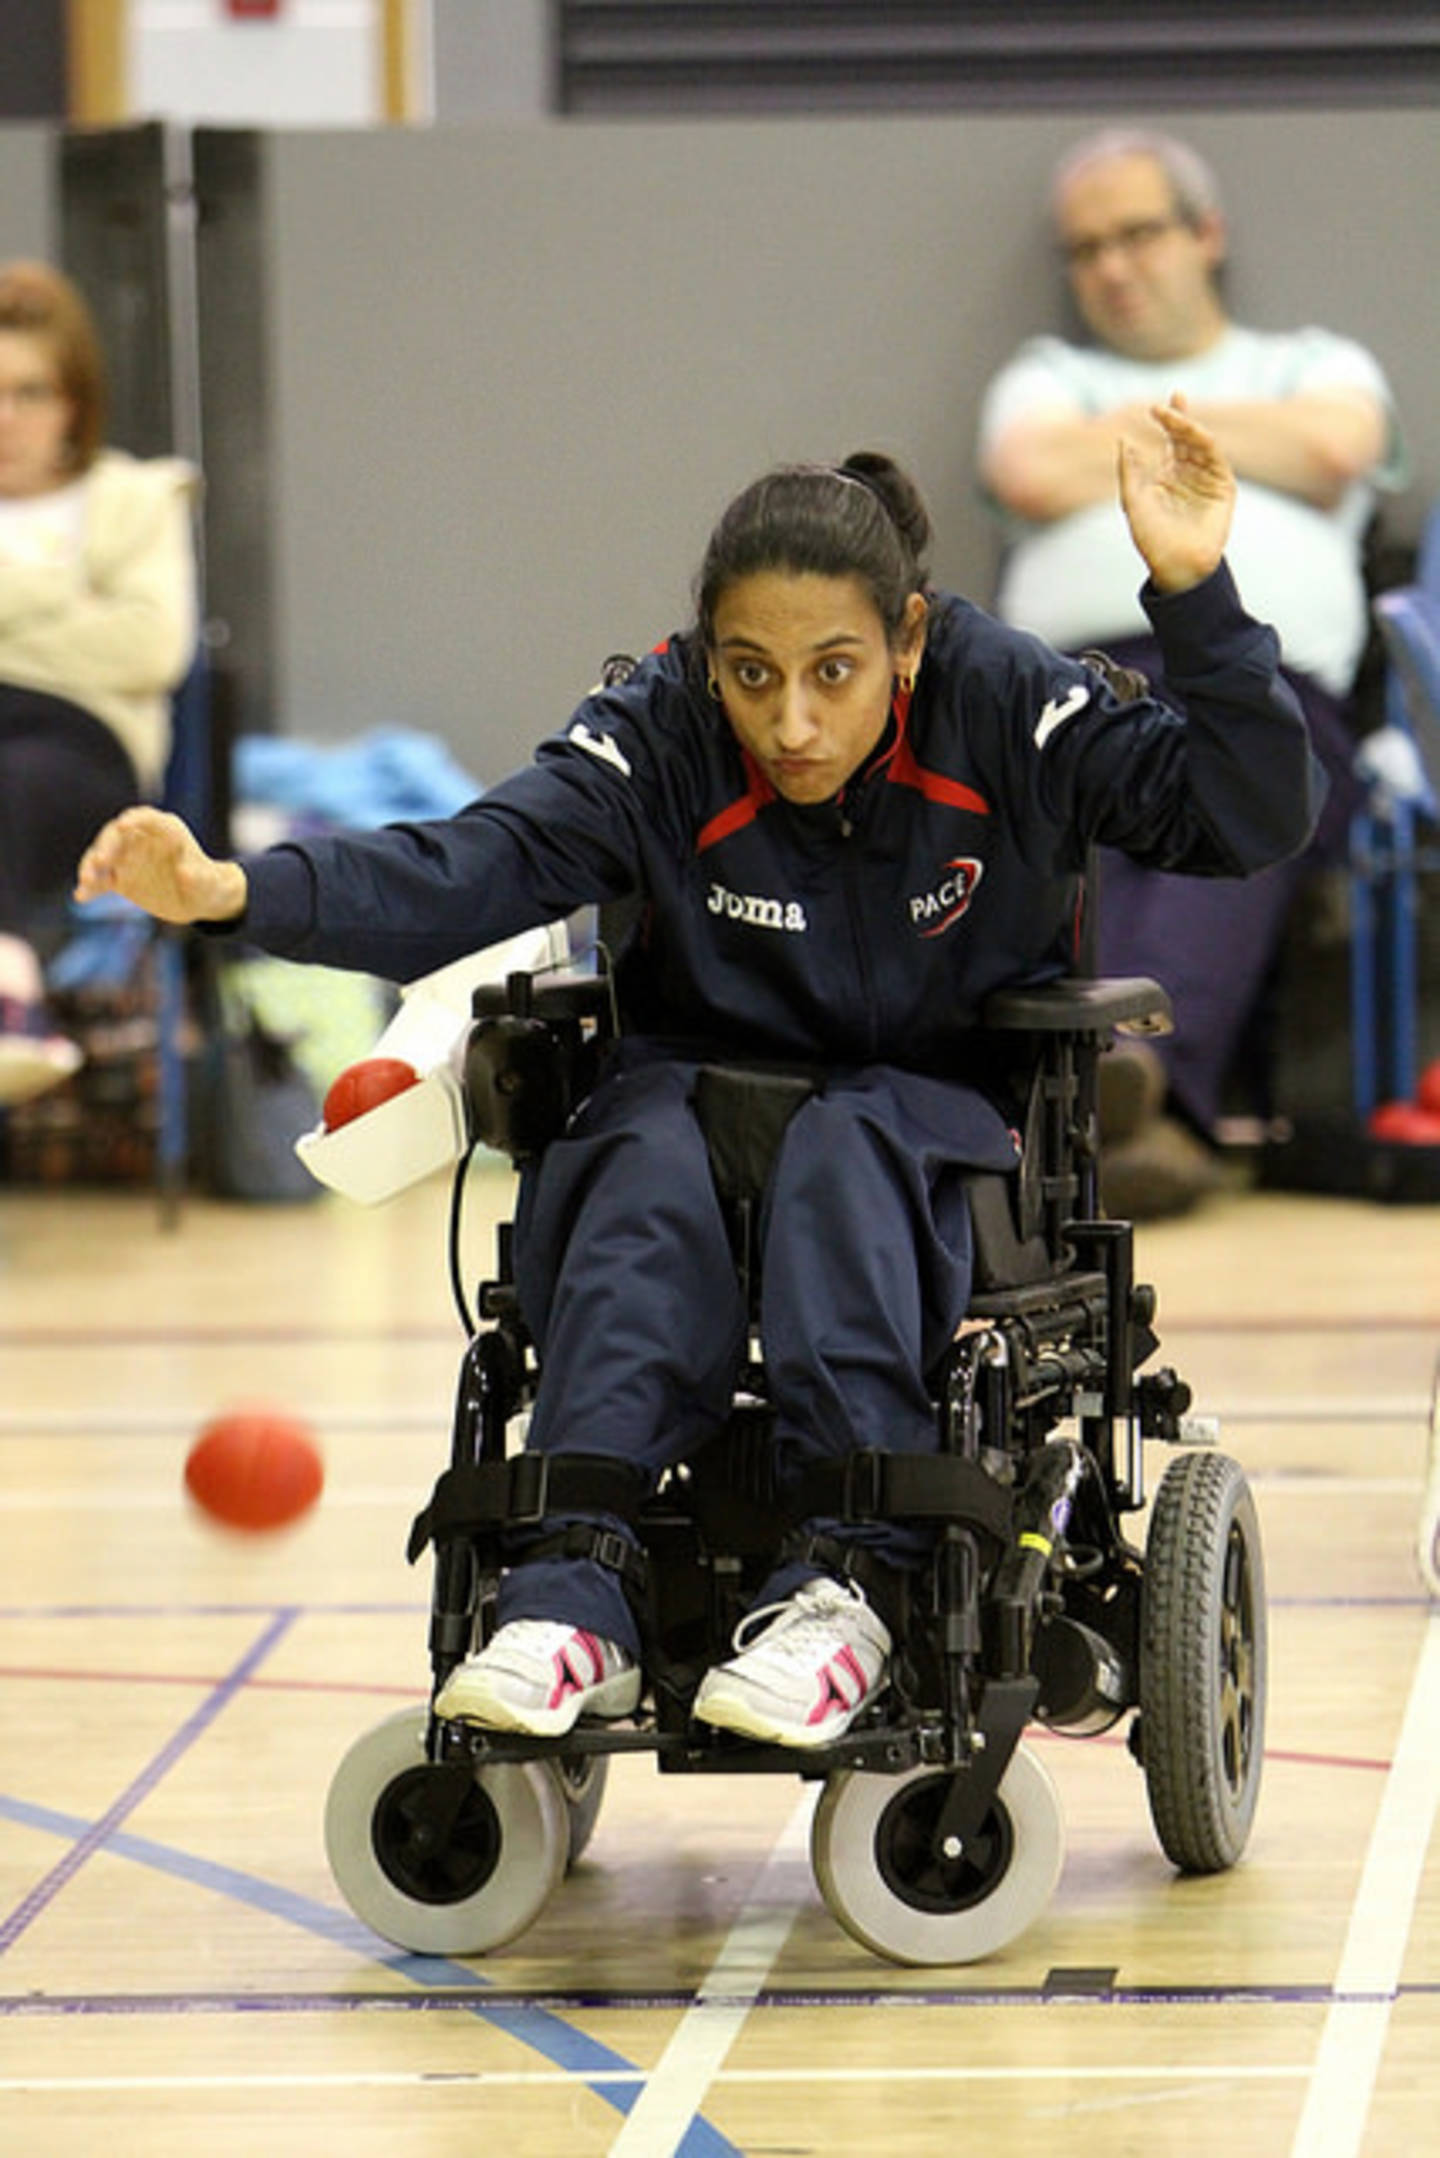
(541, 1676)
(821, 1657)
(32, 1060)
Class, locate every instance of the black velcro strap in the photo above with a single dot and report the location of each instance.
(587, 1540)
(488, 1496)
(874, 1486)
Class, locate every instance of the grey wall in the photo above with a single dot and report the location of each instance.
(517, 370)
(27, 210)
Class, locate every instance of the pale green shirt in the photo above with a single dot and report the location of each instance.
(1076, 581)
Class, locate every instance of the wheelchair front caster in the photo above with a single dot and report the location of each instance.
(437, 1859)
(1202, 1662)
(872, 1848)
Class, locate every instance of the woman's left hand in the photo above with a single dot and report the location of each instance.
(1178, 498)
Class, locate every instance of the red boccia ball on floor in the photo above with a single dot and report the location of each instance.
(255, 1469)
(363, 1086)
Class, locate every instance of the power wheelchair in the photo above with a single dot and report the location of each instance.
(937, 1836)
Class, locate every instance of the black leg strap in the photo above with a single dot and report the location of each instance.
(872, 1486)
(499, 1498)
(588, 1540)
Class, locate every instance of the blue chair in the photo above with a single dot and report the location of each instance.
(1391, 843)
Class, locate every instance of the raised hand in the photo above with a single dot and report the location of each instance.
(154, 859)
(1178, 494)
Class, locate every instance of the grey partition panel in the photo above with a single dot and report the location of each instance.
(738, 56)
(27, 225)
(243, 487)
(114, 242)
(518, 370)
(32, 60)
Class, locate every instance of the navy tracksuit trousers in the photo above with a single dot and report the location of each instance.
(626, 1279)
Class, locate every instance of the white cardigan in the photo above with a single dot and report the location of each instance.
(115, 629)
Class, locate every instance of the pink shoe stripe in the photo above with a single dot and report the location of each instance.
(850, 1663)
(567, 1678)
(593, 1650)
(833, 1695)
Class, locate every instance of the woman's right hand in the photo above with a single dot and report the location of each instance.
(154, 859)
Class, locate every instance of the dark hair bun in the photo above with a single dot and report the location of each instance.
(899, 494)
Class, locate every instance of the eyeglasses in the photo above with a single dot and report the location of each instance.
(1132, 239)
(29, 396)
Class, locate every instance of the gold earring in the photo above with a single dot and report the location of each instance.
(906, 681)
(713, 686)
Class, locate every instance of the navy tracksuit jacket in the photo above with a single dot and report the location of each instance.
(861, 935)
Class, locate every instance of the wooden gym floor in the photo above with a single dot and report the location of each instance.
(178, 1973)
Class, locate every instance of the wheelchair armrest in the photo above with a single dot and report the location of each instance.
(532, 1053)
(564, 995)
(1072, 1005)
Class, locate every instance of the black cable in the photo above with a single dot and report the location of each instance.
(457, 1199)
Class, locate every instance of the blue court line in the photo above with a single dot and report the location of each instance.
(99, 1833)
(537, 2028)
(565, 2047)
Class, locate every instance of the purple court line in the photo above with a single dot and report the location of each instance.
(45, 1891)
(440, 2000)
(1399, 1601)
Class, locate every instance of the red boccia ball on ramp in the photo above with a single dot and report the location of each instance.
(255, 1469)
(364, 1086)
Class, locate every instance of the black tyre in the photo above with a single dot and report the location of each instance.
(1203, 1662)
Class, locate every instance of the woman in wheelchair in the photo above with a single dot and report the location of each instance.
(849, 807)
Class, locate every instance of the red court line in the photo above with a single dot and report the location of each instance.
(162, 1337)
(205, 1680)
(61, 1337)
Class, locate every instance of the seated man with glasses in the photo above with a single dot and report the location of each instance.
(1306, 420)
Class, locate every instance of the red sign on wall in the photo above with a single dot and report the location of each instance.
(264, 8)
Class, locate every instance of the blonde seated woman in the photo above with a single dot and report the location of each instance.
(97, 625)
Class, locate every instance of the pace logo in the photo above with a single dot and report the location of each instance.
(937, 910)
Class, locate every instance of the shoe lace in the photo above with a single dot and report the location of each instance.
(802, 1621)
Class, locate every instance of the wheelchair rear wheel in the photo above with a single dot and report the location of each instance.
(1202, 1662)
(873, 1850)
(438, 1859)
